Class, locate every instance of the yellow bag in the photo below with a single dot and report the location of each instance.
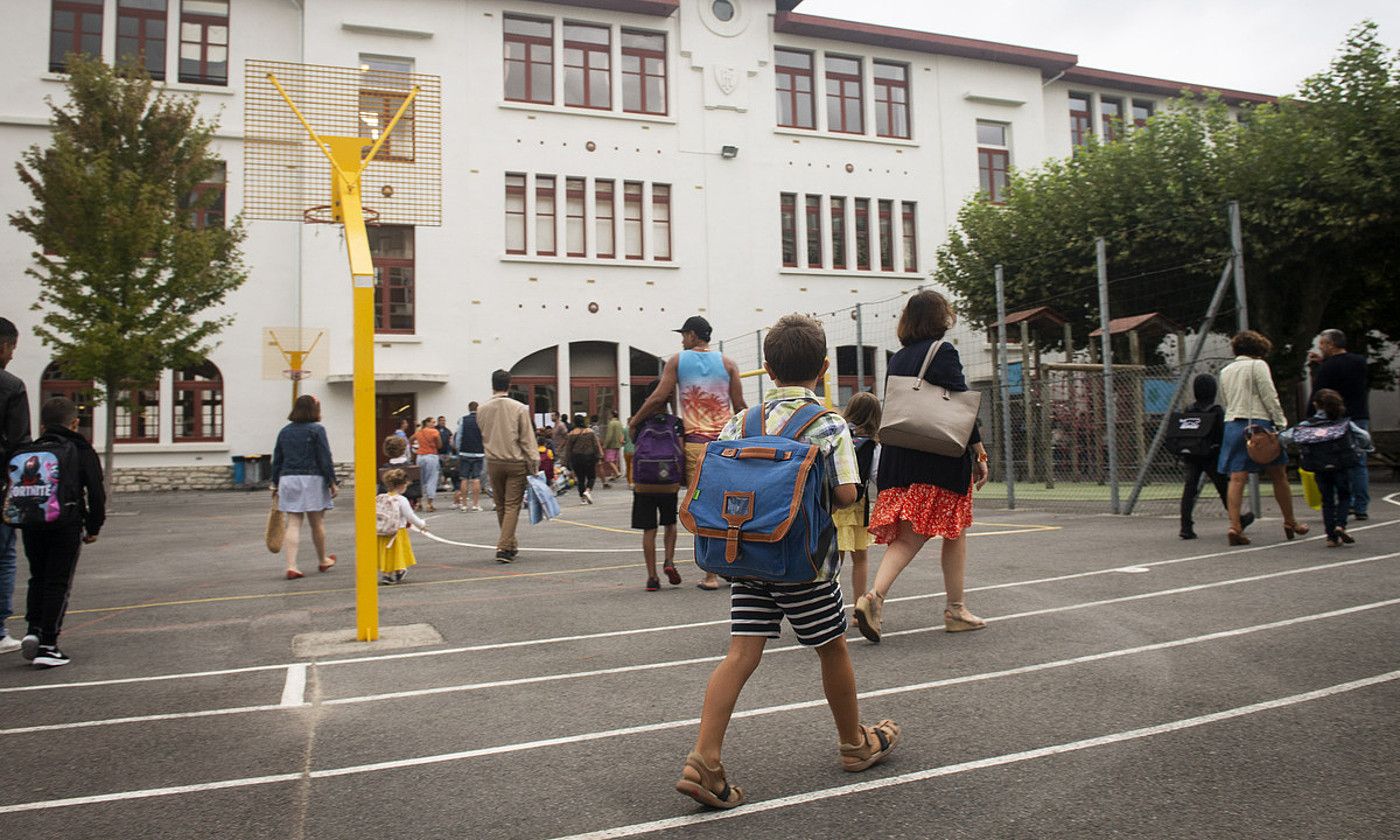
(1311, 493)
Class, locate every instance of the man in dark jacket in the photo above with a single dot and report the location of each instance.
(1205, 388)
(53, 551)
(471, 460)
(14, 432)
(1345, 373)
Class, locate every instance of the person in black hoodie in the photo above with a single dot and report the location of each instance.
(53, 552)
(1205, 388)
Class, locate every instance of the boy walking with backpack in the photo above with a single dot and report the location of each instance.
(795, 357)
(56, 499)
(658, 472)
(1330, 446)
(1194, 436)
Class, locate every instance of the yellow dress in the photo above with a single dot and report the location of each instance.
(851, 533)
(395, 553)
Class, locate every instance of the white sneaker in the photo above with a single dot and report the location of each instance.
(8, 644)
(588, 497)
(476, 508)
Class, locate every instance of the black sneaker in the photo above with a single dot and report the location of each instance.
(400, 575)
(29, 647)
(1246, 520)
(504, 557)
(50, 657)
(1360, 517)
(1187, 534)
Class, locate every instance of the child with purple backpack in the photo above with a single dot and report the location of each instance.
(658, 471)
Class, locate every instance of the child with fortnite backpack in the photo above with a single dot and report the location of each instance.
(393, 514)
(863, 417)
(795, 358)
(658, 470)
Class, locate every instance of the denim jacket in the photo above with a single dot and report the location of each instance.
(303, 449)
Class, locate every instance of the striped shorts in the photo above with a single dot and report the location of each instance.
(815, 610)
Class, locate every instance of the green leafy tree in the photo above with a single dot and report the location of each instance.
(1318, 181)
(125, 276)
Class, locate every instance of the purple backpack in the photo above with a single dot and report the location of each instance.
(659, 459)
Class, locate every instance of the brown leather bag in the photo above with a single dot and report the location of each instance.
(1262, 444)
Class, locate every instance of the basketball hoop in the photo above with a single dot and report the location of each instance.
(297, 375)
(321, 215)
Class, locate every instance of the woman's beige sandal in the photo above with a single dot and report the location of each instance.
(867, 613)
(880, 741)
(956, 619)
(707, 785)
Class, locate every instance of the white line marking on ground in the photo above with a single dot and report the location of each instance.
(675, 724)
(356, 660)
(294, 692)
(653, 666)
(981, 764)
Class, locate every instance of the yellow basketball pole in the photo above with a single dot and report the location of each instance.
(827, 398)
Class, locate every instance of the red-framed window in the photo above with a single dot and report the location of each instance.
(575, 225)
(862, 234)
(838, 233)
(75, 26)
(787, 217)
(661, 221)
(138, 414)
(849, 381)
(1111, 113)
(545, 240)
(845, 109)
(605, 218)
(529, 60)
(391, 247)
(1142, 112)
(643, 72)
(632, 219)
(1081, 125)
(205, 203)
(797, 107)
(891, 82)
(909, 229)
(993, 160)
(886, 235)
(540, 393)
(204, 42)
(199, 404)
(515, 213)
(53, 382)
(141, 34)
(587, 66)
(814, 231)
(377, 110)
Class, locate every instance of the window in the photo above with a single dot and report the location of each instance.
(911, 239)
(643, 72)
(204, 42)
(605, 219)
(515, 213)
(587, 66)
(1081, 128)
(529, 57)
(862, 234)
(138, 415)
(993, 161)
(796, 102)
(886, 235)
(845, 111)
(1111, 112)
(838, 233)
(74, 27)
(814, 231)
(1142, 112)
(141, 34)
(891, 99)
(632, 219)
(54, 382)
(575, 235)
(205, 203)
(723, 10)
(383, 90)
(661, 221)
(199, 404)
(391, 247)
(787, 212)
(545, 244)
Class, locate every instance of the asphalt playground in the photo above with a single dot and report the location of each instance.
(1129, 684)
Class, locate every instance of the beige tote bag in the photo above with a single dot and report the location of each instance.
(929, 418)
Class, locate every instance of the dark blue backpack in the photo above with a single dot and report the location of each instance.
(760, 506)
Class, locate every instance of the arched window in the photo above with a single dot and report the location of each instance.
(199, 404)
(55, 383)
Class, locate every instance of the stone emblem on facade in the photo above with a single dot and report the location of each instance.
(727, 78)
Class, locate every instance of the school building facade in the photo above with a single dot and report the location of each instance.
(610, 167)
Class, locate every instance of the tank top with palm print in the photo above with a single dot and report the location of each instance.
(704, 394)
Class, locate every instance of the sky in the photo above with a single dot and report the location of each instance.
(1250, 45)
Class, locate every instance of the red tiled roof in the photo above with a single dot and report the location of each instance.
(1037, 314)
(1128, 323)
(1146, 84)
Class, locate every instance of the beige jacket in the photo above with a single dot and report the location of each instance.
(1247, 392)
(507, 433)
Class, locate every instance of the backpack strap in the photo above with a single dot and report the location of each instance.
(754, 421)
(803, 419)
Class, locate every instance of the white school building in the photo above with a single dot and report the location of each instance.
(610, 167)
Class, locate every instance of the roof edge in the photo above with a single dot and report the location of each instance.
(657, 8)
(1147, 84)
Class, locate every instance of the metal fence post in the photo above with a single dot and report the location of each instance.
(860, 350)
(1004, 392)
(1110, 401)
(1242, 317)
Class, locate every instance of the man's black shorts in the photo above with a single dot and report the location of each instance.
(650, 511)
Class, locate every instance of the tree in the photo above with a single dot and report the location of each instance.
(125, 276)
(1318, 181)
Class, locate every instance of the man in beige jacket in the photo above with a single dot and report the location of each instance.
(512, 454)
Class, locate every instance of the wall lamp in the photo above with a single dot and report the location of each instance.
(729, 152)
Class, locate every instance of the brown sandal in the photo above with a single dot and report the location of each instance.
(868, 613)
(956, 619)
(880, 741)
(707, 785)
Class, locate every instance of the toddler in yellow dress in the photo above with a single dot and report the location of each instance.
(393, 515)
(863, 416)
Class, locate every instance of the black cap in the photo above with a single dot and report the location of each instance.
(697, 325)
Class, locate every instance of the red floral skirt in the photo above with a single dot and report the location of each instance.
(931, 511)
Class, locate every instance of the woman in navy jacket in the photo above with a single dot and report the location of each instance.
(303, 480)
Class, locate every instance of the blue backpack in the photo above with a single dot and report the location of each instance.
(760, 506)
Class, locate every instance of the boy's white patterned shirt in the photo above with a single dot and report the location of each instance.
(830, 433)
